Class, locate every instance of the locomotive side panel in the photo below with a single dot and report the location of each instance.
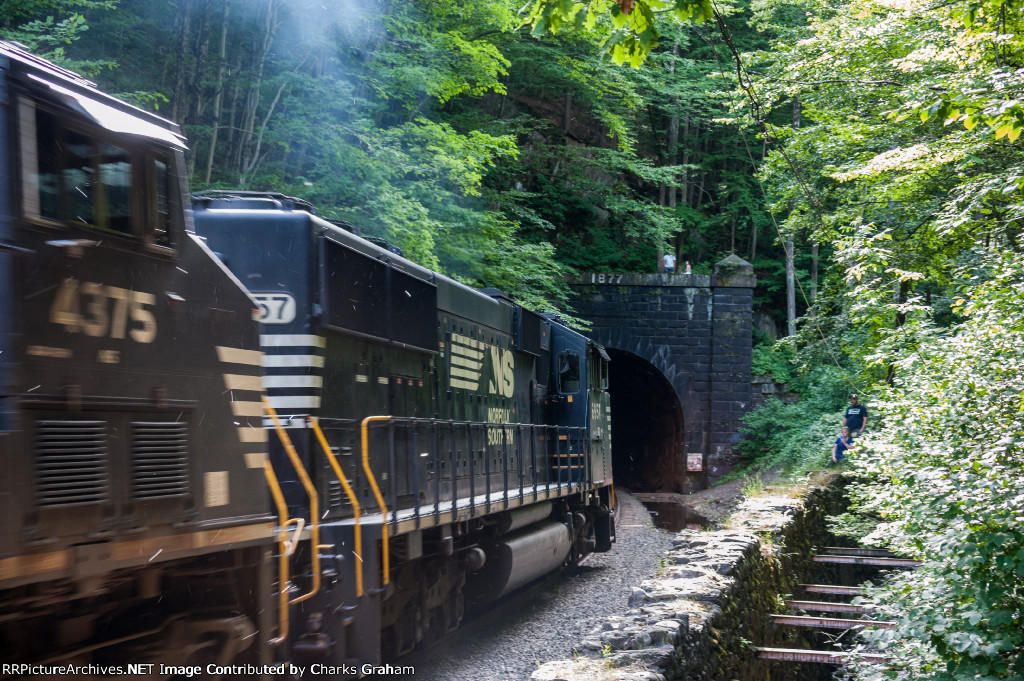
(134, 329)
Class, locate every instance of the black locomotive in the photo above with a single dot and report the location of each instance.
(136, 525)
(242, 434)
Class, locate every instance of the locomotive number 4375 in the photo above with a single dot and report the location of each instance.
(104, 311)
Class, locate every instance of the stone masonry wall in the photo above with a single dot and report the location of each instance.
(697, 619)
(695, 330)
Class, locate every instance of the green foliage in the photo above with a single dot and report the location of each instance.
(946, 474)
(856, 526)
(789, 436)
(47, 27)
(634, 27)
(772, 360)
(908, 164)
(440, 127)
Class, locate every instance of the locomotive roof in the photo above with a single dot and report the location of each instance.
(452, 296)
(76, 93)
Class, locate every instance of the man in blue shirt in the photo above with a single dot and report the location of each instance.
(856, 417)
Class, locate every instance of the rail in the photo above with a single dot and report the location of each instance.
(436, 466)
(314, 502)
(352, 498)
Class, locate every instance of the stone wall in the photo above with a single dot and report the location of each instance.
(696, 331)
(699, 616)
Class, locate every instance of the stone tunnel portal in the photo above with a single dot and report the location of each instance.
(647, 426)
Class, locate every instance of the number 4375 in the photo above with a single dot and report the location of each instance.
(102, 311)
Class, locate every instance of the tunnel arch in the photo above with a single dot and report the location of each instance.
(648, 442)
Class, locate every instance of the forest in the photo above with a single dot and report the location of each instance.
(863, 155)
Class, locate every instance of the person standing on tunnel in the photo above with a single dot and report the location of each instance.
(670, 263)
(856, 417)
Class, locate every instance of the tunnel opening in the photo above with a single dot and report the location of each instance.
(647, 426)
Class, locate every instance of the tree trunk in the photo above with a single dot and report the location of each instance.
(790, 260)
(261, 48)
(567, 113)
(673, 129)
(183, 31)
(901, 318)
(232, 125)
(218, 90)
(814, 272)
(684, 188)
(255, 159)
(790, 289)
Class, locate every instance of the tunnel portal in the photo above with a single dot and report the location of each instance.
(680, 370)
(647, 423)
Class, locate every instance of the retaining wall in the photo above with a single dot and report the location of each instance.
(699, 616)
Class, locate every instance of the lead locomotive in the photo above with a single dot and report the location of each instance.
(330, 483)
(135, 526)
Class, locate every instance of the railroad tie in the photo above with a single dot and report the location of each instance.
(866, 560)
(820, 656)
(829, 622)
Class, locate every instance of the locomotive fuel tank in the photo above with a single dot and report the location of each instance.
(518, 559)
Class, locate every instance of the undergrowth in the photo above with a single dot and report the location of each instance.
(794, 439)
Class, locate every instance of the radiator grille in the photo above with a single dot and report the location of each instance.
(159, 460)
(71, 463)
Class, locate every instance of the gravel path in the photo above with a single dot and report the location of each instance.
(547, 627)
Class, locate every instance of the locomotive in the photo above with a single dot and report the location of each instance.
(464, 434)
(240, 434)
(136, 528)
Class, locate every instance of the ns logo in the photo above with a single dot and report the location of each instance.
(502, 381)
(472, 361)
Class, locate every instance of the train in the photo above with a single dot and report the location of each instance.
(241, 435)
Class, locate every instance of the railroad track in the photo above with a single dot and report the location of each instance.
(879, 558)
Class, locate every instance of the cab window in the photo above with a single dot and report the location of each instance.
(568, 372)
(81, 178)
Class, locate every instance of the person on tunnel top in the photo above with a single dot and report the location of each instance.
(855, 417)
(670, 263)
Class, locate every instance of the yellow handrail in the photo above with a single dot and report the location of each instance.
(314, 500)
(376, 491)
(283, 521)
(356, 511)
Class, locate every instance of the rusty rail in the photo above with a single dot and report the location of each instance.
(821, 606)
(853, 551)
(832, 589)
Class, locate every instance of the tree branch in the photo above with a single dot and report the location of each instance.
(829, 81)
